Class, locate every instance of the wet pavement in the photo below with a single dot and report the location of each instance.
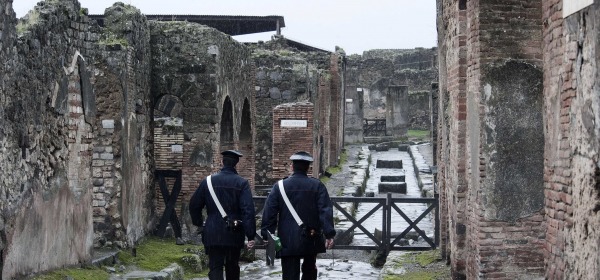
(413, 210)
(352, 264)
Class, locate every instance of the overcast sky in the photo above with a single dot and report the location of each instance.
(354, 25)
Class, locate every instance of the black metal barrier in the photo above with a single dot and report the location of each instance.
(387, 205)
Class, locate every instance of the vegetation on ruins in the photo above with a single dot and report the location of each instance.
(418, 135)
(152, 254)
(426, 265)
(32, 18)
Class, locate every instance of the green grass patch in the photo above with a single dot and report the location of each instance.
(421, 266)
(324, 179)
(418, 134)
(152, 254)
(76, 273)
(428, 257)
(334, 169)
(155, 254)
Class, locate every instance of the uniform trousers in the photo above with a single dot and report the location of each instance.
(290, 266)
(218, 257)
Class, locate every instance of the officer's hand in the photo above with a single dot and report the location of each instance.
(250, 244)
(329, 243)
(200, 230)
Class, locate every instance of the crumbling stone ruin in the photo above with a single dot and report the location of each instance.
(372, 76)
(93, 106)
(517, 138)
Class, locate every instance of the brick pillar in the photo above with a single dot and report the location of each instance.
(335, 112)
(292, 132)
(396, 108)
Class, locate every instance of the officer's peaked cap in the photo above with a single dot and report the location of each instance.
(303, 156)
(231, 153)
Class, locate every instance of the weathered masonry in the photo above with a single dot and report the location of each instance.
(518, 143)
(90, 110)
(372, 77)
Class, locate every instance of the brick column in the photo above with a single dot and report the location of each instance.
(292, 132)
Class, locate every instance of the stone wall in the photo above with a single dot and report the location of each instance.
(396, 118)
(375, 70)
(47, 111)
(286, 75)
(203, 86)
(353, 115)
(571, 174)
(122, 154)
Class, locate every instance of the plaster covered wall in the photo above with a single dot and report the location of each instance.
(47, 110)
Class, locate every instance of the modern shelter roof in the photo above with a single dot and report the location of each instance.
(232, 25)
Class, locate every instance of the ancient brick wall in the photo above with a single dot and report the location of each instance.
(292, 121)
(322, 125)
(451, 161)
(504, 126)
(572, 192)
(336, 108)
(446, 24)
(208, 79)
(47, 110)
(122, 154)
(491, 111)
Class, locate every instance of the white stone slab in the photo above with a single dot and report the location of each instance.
(294, 123)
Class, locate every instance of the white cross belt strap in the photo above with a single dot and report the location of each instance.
(214, 196)
(289, 205)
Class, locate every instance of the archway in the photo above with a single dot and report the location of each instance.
(246, 165)
(226, 132)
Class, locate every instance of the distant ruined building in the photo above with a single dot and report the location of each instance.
(377, 78)
(518, 138)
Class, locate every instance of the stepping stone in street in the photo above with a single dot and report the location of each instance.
(389, 163)
(397, 178)
(382, 147)
(403, 147)
(346, 240)
(392, 187)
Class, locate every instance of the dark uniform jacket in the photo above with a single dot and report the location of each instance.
(311, 201)
(235, 196)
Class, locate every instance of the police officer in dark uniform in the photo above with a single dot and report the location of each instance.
(223, 238)
(310, 200)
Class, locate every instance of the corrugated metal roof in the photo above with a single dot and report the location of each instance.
(232, 25)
